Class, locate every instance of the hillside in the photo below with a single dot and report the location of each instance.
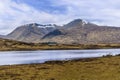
(30, 32)
(75, 32)
(6, 44)
(80, 32)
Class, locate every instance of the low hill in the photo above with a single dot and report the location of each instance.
(6, 44)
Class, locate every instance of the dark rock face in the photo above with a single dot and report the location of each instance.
(77, 31)
(53, 34)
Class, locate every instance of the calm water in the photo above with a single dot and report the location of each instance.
(28, 57)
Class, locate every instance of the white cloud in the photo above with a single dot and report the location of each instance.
(12, 14)
(106, 12)
(15, 14)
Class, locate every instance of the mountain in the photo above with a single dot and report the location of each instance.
(77, 31)
(31, 32)
(75, 23)
(3, 36)
(82, 32)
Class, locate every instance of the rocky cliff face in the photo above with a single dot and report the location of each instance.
(77, 31)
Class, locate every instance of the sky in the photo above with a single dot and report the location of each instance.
(14, 13)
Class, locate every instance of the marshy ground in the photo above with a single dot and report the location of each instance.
(11, 45)
(106, 68)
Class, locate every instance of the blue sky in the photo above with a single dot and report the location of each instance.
(14, 13)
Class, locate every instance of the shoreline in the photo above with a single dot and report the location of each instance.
(66, 61)
(81, 69)
(52, 48)
(58, 61)
(11, 45)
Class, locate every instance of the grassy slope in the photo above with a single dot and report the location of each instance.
(16, 45)
(107, 68)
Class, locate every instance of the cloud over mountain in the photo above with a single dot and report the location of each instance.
(16, 12)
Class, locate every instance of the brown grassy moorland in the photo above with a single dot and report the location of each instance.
(10, 45)
(106, 68)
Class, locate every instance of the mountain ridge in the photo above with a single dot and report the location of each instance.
(30, 31)
(77, 31)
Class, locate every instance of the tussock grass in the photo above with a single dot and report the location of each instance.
(106, 68)
(10, 45)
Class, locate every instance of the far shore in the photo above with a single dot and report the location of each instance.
(58, 47)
